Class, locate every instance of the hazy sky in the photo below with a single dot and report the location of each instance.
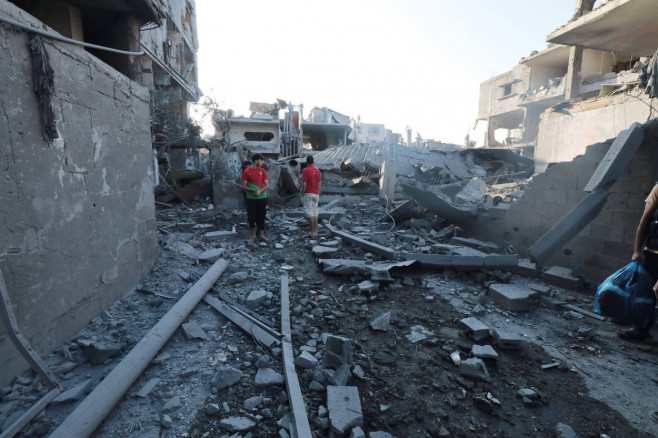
(413, 62)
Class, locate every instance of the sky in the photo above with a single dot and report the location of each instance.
(400, 63)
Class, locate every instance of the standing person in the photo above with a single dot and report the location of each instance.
(255, 183)
(311, 179)
(645, 252)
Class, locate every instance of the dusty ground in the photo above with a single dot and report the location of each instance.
(603, 386)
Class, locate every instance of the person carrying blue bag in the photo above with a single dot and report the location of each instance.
(645, 252)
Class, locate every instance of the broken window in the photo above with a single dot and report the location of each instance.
(258, 136)
(507, 89)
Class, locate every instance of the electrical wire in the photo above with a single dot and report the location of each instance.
(58, 37)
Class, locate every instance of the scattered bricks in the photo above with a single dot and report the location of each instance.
(73, 394)
(506, 340)
(476, 328)
(562, 277)
(98, 352)
(306, 360)
(193, 330)
(212, 255)
(474, 367)
(338, 351)
(236, 424)
(226, 376)
(382, 322)
(564, 431)
(484, 352)
(512, 297)
(525, 268)
(172, 405)
(344, 408)
(256, 298)
(217, 235)
(268, 377)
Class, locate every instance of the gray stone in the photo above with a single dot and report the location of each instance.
(173, 404)
(474, 367)
(528, 393)
(506, 340)
(316, 386)
(238, 277)
(357, 432)
(252, 402)
(358, 372)
(382, 322)
(166, 421)
(212, 409)
(564, 431)
(256, 298)
(306, 360)
(384, 358)
(338, 351)
(98, 352)
(419, 333)
(193, 330)
(263, 361)
(344, 408)
(484, 352)
(268, 377)
(236, 424)
(368, 286)
(212, 255)
(321, 250)
(226, 376)
(380, 434)
(477, 329)
(73, 394)
(340, 376)
(217, 235)
(148, 387)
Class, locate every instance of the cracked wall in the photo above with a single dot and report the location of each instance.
(77, 217)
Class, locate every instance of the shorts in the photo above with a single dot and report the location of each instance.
(310, 202)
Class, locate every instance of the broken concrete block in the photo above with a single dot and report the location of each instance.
(238, 277)
(357, 432)
(512, 297)
(166, 421)
(226, 376)
(338, 351)
(340, 376)
(76, 393)
(256, 298)
(368, 286)
(419, 333)
(382, 322)
(236, 424)
(501, 260)
(477, 329)
(474, 367)
(561, 277)
(344, 408)
(542, 289)
(148, 387)
(268, 377)
(252, 402)
(217, 235)
(193, 330)
(484, 352)
(506, 340)
(98, 352)
(320, 250)
(306, 360)
(211, 255)
(525, 268)
(564, 431)
(172, 405)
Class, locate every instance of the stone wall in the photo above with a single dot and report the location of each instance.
(604, 245)
(77, 215)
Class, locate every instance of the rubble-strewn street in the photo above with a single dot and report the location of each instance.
(427, 352)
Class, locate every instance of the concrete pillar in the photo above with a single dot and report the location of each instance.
(573, 73)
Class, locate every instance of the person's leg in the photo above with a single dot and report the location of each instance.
(314, 215)
(260, 217)
(251, 217)
(306, 203)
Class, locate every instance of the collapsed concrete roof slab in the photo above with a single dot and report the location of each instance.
(349, 267)
(622, 26)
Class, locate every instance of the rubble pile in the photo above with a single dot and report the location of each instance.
(384, 345)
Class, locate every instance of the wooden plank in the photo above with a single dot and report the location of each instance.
(94, 408)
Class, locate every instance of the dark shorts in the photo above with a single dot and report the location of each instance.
(651, 264)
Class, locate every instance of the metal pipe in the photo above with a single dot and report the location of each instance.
(94, 408)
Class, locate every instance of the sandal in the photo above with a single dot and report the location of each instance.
(633, 334)
(654, 416)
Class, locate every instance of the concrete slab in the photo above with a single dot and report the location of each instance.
(561, 277)
(476, 328)
(344, 408)
(513, 297)
(525, 268)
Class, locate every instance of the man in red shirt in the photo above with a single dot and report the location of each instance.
(255, 182)
(311, 179)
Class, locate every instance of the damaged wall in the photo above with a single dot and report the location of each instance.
(77, 217)
(606, 244)
(566, 132)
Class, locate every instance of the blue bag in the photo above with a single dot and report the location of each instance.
(627, 295)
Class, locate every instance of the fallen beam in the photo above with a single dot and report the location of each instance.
(95, 407)
(251, 326)
(568, 227)
(299, 427)
(370, 246)
(617, 158)
(465, 261)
